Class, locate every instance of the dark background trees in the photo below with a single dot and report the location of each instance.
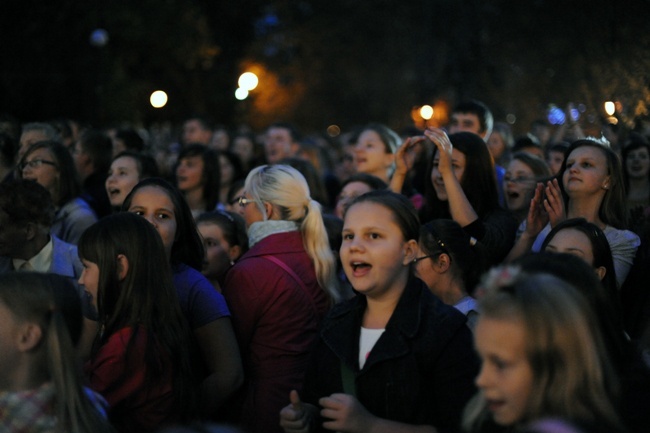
(321, 62)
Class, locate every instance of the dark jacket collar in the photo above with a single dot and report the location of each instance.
(341, 329)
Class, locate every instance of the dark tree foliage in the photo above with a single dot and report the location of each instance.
(321, 62)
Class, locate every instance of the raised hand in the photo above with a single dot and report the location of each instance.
(554, 203)
(537, 217)
(406, 153)
(441, 141)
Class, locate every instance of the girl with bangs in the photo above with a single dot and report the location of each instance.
(543, 357)
(140, 361)
(394, 358)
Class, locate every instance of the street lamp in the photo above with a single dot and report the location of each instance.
(247, 82)
(241, 94)
(610, 108)
(426, 112)
(158, 99)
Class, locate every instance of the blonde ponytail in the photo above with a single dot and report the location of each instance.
(286, 189)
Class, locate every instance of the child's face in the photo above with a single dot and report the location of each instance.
(90, 279)
(458, 163)
(189, 173)
(217, 258)
(637, 163)
(574, 242)
(371, 155)
(506, 377)
(554, 161)
(227, 170)
(154, 205)
(519, 185)
(349, 192)
(374, 254)
(586, 172)
(122, 177)
(496, 145)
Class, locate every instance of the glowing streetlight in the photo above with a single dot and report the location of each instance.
(241, 94)
(610, 108)
(426, 112)
(158, 99)
(248, 81)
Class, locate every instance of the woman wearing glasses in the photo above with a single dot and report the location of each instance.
(280, 290)
(590, 186)
(449, 265)
(50, 164)
(522, 174)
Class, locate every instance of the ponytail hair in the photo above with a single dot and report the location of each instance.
(286, 189)
(53, 303)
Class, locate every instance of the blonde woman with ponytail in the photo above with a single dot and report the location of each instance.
(279, 291)
(40, 380)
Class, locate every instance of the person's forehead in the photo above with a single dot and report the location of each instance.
(278, 130)
(34, 133)
(192, 124)
(465, 116)
(41, 152)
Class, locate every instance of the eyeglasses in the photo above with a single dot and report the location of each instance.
(243, 201)
(436, 254)
(34, 163)
(417, 259)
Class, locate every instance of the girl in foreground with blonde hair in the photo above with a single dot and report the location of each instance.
(542, 357)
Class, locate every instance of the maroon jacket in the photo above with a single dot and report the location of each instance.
(276, 322)
(135, 405)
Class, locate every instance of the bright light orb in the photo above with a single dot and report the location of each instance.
(426, 112)
(158, 99)
(556, 116)
(248, 81)
(241, 94)
(610, 108)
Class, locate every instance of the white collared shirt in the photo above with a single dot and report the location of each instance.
(41, 262)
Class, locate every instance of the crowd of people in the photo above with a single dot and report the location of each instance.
(440, 280)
